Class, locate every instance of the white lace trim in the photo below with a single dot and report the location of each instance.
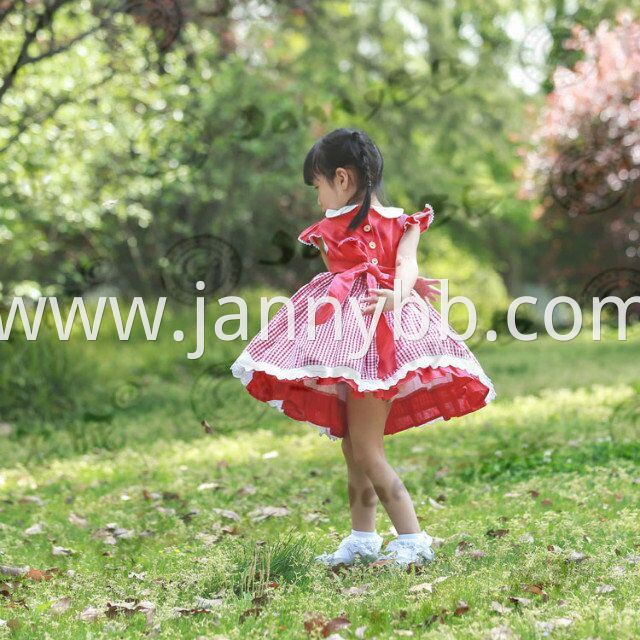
(245, 365)
(385, 212)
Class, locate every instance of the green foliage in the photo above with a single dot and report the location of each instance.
(44, 380)
(287, 559)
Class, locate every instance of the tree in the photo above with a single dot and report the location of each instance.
(585, 159)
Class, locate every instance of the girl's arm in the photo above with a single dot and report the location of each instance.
(406, 262)
(406, 272)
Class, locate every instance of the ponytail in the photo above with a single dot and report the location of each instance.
(363, 161)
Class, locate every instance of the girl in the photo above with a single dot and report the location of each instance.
(397, 383)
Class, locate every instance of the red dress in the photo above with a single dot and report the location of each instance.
(430, 378)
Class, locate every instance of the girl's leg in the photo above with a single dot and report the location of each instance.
(362, 496)
(366, 418)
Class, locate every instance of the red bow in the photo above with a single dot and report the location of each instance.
(340, 288)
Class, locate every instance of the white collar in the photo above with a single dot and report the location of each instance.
(386, 212)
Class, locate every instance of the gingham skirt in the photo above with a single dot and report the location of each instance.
(435, 377)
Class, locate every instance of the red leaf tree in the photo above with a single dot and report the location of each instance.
(584, 163)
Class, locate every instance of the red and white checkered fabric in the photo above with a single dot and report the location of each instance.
(431, 378)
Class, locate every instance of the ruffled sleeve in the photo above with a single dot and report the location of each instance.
(311, 235)
(424, 218)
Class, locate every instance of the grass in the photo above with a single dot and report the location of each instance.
(167, 532)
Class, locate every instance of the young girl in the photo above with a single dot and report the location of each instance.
(397, 383)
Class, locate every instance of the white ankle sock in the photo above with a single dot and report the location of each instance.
(363, 534)
(410, 536)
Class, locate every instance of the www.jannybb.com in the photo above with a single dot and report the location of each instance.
(31, 328)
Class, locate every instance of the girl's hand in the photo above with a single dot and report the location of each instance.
(425, 289)
(373, 298)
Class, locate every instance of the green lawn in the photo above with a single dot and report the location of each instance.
(164, 530)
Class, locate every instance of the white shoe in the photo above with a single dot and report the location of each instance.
(368, 548)
(404, 552)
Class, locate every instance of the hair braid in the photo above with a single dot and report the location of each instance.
(366, 175)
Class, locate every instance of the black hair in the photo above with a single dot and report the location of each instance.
(351, 148)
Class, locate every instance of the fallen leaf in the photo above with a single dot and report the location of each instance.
(77, 520)
(205, 486)
(355, 591)
(461, 547)
(497, 533)
(189, 515)
(538, 590)
(207, 603)
(13, 571)
(435, 504)
(315, 516)
(62, 551)
(422, 587)
(61, 606)
(234, 531)
(138, 576)
(520, 601)
(314, 623)
(32, 500)
(262, 513)
(461, 608)
(34, 529)
(605, 588)
(499, 608)
(270, 454)
(89, 614)
(335, 624)
(226, 513)
(131, 606)
(148, 609)
(247, 490)
(111, 533)
(37, 575)
(191, 611)
(576, 556)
